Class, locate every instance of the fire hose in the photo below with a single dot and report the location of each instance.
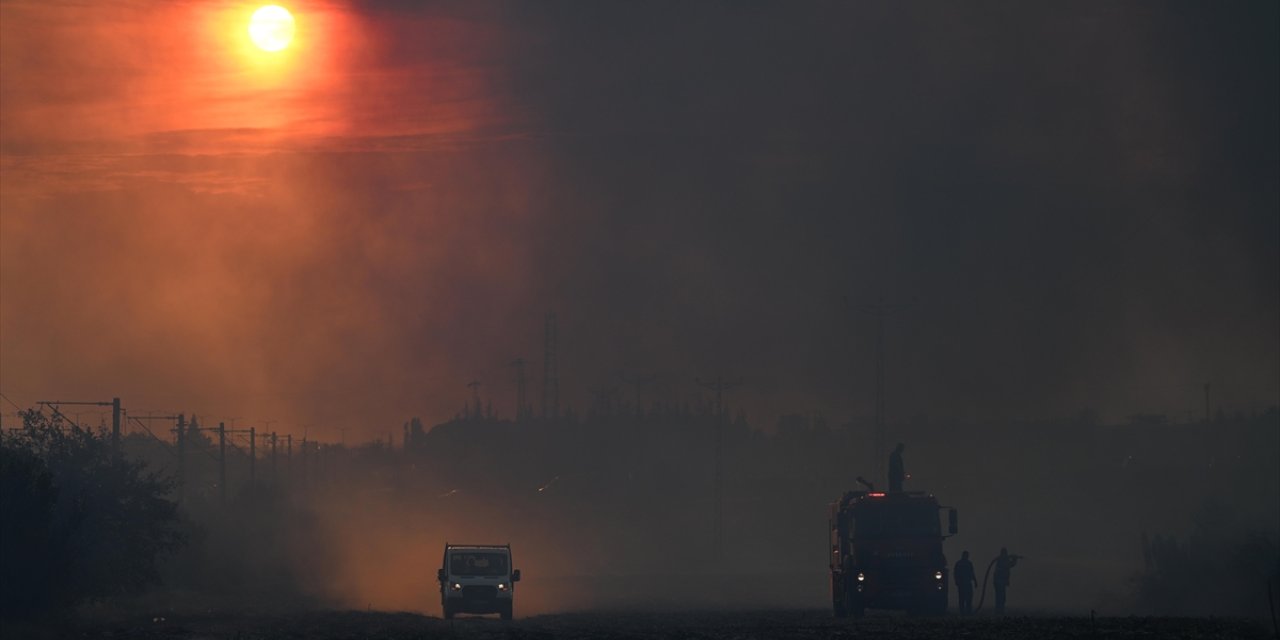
(985, 575)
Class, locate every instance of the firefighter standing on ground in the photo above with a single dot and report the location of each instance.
(1003, 564)
(965, 582)
(896, 471)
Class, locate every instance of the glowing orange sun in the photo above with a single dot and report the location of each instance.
(271, 28)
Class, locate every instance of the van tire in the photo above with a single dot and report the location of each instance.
(448, 611)
(506, 612)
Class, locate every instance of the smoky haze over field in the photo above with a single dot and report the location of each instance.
(1078, 204)
(1071, 209)
(616, 511)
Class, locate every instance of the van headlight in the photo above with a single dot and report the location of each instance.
(937, 575)
(862, 577)
(502, 586)
(456, 587)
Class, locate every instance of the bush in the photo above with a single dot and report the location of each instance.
(80, 521)
(1222, 568)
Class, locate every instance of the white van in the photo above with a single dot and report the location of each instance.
(477, 578)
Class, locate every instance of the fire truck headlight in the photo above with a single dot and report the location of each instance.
(456, 587)
(862, 577)
(937, 575)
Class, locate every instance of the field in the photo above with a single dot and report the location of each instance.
(718, 625)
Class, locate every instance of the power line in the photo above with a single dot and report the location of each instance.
(15, 405)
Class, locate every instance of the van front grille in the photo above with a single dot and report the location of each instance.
(479, 592)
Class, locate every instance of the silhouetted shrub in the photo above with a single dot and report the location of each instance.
(1221, 568)
(80, 522)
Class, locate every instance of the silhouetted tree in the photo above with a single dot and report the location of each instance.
(80, 521)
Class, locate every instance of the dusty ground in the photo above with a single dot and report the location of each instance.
(609, 626)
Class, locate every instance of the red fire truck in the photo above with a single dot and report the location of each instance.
(886, 552)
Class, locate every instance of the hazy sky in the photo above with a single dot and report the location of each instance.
(1077, 204)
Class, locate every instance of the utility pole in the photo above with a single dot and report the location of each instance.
(550, 369)
(639, 381)
(719, 386)
(253, 458)
(306, 468)
(115, 424)
(522, 412)
(474, 386)
(306, 462)
(182, 456)
(222, 461)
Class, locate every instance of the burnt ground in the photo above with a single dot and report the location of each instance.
(717, 625)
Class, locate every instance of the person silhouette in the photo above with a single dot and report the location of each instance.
(965, 582)
(1004, 563)
(897, 473)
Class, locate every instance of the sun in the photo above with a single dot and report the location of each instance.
(271, 28)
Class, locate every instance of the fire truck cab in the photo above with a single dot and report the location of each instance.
(886, 553)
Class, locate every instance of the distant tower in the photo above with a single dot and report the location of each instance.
(550, 370)
(522, 410)
(474, 385)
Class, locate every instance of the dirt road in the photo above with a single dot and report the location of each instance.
(717, 625)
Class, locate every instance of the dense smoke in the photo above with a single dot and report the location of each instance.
(1043, 238)
(615, 511)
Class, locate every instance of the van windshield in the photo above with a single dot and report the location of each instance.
(478, 563)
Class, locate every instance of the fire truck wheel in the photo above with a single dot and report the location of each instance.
(940, 605)
(857, 608)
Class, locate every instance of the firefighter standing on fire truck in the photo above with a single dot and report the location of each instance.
(897, 473)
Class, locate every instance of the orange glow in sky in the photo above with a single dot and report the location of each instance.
(171, 116)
